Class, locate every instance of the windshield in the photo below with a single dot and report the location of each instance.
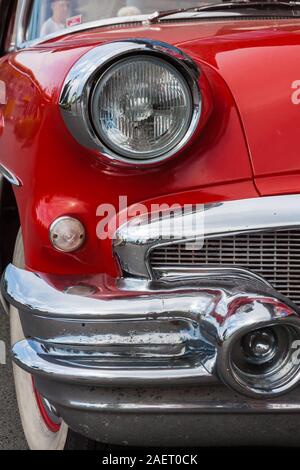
(51, 16)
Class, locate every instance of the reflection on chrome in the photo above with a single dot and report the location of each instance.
(135, 240)
(180, 332)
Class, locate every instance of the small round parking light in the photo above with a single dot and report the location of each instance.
(67, 234)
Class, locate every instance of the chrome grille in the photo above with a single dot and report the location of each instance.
(273, 255)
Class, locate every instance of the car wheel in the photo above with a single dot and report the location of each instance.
(42, 428)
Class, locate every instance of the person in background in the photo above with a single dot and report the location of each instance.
(60, 13)
(129, 11)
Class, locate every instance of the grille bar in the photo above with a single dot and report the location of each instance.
(274, 255)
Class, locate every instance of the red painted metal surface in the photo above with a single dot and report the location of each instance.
(287, 183)
(252, 130)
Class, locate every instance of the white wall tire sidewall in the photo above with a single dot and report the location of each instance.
(37, 434)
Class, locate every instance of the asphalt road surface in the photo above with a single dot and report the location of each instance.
(11, 434)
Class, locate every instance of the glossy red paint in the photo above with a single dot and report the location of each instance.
(287, 183)
(251, 130)
(262, 72)
(1, 123)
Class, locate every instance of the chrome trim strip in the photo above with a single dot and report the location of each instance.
(9, 176)
(78, 86)
(207, 407)
(183, 274)
(31, 356)
(179, 273)
(22, 22)
(136, 239)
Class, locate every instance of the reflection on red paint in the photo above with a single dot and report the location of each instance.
(1, 123)
(74, 21)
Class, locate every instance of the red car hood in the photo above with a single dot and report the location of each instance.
(260, 62)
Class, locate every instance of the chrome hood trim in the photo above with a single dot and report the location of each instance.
(136, 239)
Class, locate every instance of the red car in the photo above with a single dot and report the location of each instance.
(150, 166)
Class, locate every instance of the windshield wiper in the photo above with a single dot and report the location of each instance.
(226, 5)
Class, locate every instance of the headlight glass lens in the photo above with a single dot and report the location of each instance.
(141, 108)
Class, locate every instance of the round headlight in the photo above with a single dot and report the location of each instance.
(142, 109)
(135, 101)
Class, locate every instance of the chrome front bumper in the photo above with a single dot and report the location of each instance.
(155, 356)
(173, 333)
(145, 349)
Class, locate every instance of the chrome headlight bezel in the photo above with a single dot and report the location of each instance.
(78, 88)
